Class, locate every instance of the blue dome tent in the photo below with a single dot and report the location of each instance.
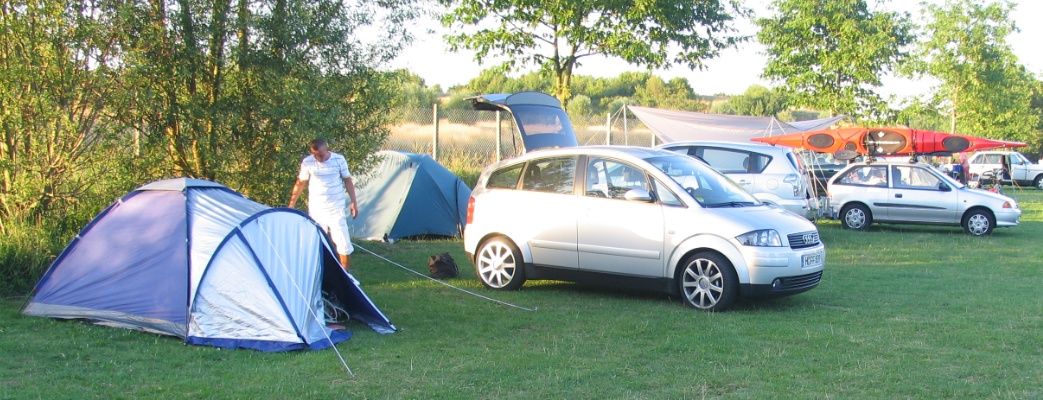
(194, 259)
(408, 195)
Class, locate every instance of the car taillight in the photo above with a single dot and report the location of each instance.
(470, 210)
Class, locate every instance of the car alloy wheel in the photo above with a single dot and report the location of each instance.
(499, 265)
(855, 217)
(1038, 183)
(978, 223)
(708, 282)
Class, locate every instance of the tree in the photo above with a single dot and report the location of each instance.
(1036, 139)
(758, 101)
(411, 90)
(58, 70)
(830, 54)
(983, 89)
(580, 105)
(555, 35)
(232, 90)
(673, 95)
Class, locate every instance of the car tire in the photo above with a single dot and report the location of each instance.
(499, 264)
(1038, 182)
(855, 217)
(708, 282)
(978, 222)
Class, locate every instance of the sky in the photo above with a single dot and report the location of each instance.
(730, 73)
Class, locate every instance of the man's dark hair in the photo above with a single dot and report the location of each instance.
(317, 143)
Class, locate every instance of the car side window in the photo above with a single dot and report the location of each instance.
(913, 177)
(686, 150)
(612, 179)
(869, 175)
(506, 178)
(730, 161)
(665, 196)
(553, 175)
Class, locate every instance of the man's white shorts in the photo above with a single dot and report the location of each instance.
(335, 222)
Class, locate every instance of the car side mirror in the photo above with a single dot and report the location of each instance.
(944, 187)
(638, 195)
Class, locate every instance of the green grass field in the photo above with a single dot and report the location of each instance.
(902, 312)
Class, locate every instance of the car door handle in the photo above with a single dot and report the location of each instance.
(898, 195)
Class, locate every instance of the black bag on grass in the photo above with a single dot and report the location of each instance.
(442, 266)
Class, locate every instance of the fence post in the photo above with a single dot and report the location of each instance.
(608, 128)
(434, 142)
(626, 132)
(499, 130)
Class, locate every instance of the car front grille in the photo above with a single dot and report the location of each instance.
(803, 240)
(798, 282)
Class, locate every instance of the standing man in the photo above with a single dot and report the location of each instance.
(327, 176)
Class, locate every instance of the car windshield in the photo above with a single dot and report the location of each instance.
(704, 184)
(948, 179)
(1020, 157)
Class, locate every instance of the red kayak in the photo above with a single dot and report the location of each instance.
(885, 141)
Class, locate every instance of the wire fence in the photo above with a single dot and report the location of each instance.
(484, 136)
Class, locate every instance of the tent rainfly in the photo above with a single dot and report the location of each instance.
(194, 259)
(409, 195)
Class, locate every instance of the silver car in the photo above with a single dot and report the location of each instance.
(635, 217)
(774, 174)
(911, 193)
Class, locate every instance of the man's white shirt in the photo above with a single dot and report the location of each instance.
(325, 181)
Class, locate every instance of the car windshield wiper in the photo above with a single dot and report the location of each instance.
(731, 204)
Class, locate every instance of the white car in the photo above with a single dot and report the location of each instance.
(911, 193)
(1016, 166)
(773, 174)
(636, 217)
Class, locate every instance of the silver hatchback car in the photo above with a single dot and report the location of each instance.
(635, 217)
(774, 174)
(912, 193)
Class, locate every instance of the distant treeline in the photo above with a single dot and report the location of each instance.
(593, 95)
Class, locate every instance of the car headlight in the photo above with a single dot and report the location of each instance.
(761, 238)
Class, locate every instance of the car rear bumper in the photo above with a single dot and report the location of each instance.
(803, 207)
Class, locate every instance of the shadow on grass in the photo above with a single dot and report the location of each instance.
(924, 229)
(626, 294)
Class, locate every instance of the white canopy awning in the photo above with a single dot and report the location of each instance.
(674, 126)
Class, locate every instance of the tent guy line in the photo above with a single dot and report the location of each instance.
(315, 317)
(444, 283)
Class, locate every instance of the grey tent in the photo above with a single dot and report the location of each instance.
(409, 195)
(674, 126)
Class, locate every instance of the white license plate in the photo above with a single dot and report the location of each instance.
(812, 260)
